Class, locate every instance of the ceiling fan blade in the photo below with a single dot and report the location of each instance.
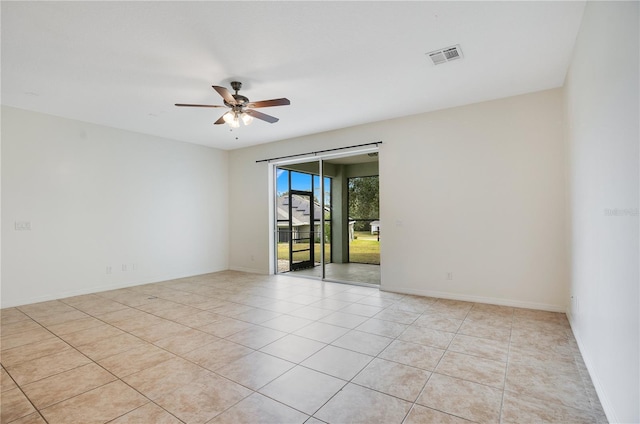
(259, 115)
(190, 105)
(220, 120)
(225, 94)
(269, 103)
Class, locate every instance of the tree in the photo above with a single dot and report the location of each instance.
(364, 201)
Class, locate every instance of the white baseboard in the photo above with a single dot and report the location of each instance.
(249, 270)
(477, 299)
(602, 396)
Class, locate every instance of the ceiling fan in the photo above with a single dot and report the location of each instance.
(241, 107)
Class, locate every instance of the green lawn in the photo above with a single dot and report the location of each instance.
(364, 249)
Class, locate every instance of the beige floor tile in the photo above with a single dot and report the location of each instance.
(256, 337)
(148, 413)
(58, 318)
(303, 299)
(6, 382)
(522, 409)
(398, 315)
(11, 315)
(255, 370)
(91, 335)
(394, 379)
(159, 331)
(138, 322)
(43, 367)
(19, 327)
(199, 319)
(14, 405)
(183, 343)
(257, 317)
(331, 304)
(67, 384)
(451, 308)
(75, 325)
(439, 322)
(164, 378)
(40, 310)
(338, 362)
(111, 346)
(342, 319)
(303, 389)
(362, 310)
(203, 398)
(547, 384)
(34, 418)
(542, 358)
(217, 354)
(485, 348)
(199, 372)
(96, 406)
(122, 315)
(465, 399)
(484, 330)
(473, 368)
(382, 328)
(321, 332)
(415, 355)
(25, 337)
(226, 327)
(422, 415)
(287, 323)
(33, 351)
(135, 360)
(362, 342)
(293, 348)
(427, 337)
(312, 313)
(377, 301)
(258, 409)
(355, 404)
(231, 309)
(282, 306)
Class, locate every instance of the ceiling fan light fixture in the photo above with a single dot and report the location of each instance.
(228, 117)
(246, 118)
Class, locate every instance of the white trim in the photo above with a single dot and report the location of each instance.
(316, 157)
(477, 299)
(607, 406)
(245, 269)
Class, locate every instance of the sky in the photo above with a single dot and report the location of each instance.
(299, 181)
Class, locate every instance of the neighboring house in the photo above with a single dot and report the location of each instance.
(375, 227)
(300, 218)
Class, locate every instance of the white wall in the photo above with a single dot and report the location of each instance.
(477, 190)
(601, 94)
(97, 197)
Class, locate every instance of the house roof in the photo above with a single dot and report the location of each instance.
(125, 64)
(301, 210)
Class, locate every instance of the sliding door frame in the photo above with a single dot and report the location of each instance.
(273, 216)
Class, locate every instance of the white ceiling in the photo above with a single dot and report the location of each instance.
(124, 64)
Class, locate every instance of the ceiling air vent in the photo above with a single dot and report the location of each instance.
(445, 55)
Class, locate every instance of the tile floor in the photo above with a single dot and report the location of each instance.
(232, 347)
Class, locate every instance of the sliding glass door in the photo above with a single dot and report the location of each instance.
(313, 229)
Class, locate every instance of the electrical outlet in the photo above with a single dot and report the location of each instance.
(109, 269)
(22, 226)
(450, 276)
(125, 268)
